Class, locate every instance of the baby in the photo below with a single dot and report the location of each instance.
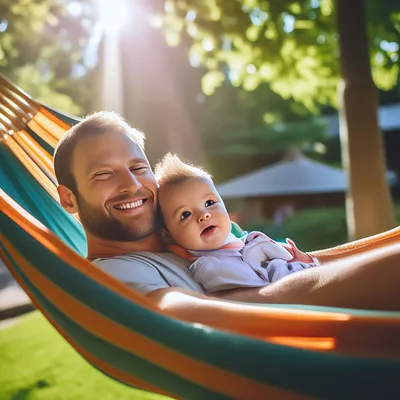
(197, 227)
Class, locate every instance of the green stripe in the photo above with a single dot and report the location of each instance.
(18, 183)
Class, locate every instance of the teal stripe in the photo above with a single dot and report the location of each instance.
(18, 183)
(117, 357)
(268, 363)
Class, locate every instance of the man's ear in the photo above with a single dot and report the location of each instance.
(67, 199)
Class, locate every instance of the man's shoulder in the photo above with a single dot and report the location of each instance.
(142, 258)
(146, 272)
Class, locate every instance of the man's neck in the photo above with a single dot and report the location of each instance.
(101, 248)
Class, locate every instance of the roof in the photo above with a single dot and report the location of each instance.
(293, 175)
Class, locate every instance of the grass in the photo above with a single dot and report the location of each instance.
(36, 363)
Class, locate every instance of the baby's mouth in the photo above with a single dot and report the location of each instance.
(208, 231)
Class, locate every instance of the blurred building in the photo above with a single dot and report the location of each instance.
(279, 190)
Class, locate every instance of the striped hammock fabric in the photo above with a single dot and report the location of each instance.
(260, 352)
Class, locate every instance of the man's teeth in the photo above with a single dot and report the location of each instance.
(127, 206)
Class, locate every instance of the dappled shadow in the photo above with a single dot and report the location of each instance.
(25, 394)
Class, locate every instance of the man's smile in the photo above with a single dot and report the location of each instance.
(132, 208)
(129, 205)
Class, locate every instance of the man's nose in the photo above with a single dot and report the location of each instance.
(204, 216)
(129, 182)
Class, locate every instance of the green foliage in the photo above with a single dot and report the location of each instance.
(30, 79)
(314, 229)
(269, 139)
(310, 229)
(38, 364)
(292, 45)
(247, 130)
(41, 37)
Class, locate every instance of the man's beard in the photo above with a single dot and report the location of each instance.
(107, 227)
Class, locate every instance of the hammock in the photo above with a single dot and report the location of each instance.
(265, 352)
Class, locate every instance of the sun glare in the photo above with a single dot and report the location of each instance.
(113, 14)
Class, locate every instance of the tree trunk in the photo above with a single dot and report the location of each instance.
(368, 203)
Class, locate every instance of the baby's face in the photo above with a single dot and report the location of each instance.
(194, 214)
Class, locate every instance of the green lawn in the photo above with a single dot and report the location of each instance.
(36, 363)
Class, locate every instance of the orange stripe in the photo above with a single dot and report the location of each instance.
(11, 106)
(35, 152)
(17, 94)
(47, 157)
(34, 170)
(107, 368)
(42, 133)
(321, 344)
(55, 119)
(206, 375)
(52, 127)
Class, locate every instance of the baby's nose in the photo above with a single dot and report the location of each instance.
(204, 217)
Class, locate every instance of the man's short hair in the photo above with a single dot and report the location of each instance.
(95, 124)
(171, 170)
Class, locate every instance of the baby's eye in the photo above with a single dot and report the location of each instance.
(138, 169)
(185, 214)
(209, 203)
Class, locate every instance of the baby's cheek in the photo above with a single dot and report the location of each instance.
(186, 237)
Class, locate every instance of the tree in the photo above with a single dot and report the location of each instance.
(41, 49)
(293, 46)
(242, 131)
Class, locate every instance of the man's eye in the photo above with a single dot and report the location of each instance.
(102, 174)
(185, 214)
(209, 203)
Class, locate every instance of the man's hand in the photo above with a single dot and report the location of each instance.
(297, 254)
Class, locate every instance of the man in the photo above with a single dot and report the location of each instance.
(105, 177)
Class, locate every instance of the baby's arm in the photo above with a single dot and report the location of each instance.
(216, 274)
(259, 247)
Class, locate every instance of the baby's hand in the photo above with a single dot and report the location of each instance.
(297, 254)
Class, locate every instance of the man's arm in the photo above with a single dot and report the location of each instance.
(365, 281)
(346, 250)
(381, 240)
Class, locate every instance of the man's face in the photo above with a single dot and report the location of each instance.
(116, 188)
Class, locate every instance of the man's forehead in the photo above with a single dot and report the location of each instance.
(105, 148)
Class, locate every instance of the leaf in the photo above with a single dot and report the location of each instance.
(211, 80)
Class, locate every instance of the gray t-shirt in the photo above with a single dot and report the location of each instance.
(146, 272)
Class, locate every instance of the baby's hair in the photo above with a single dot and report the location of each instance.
(171, 170)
